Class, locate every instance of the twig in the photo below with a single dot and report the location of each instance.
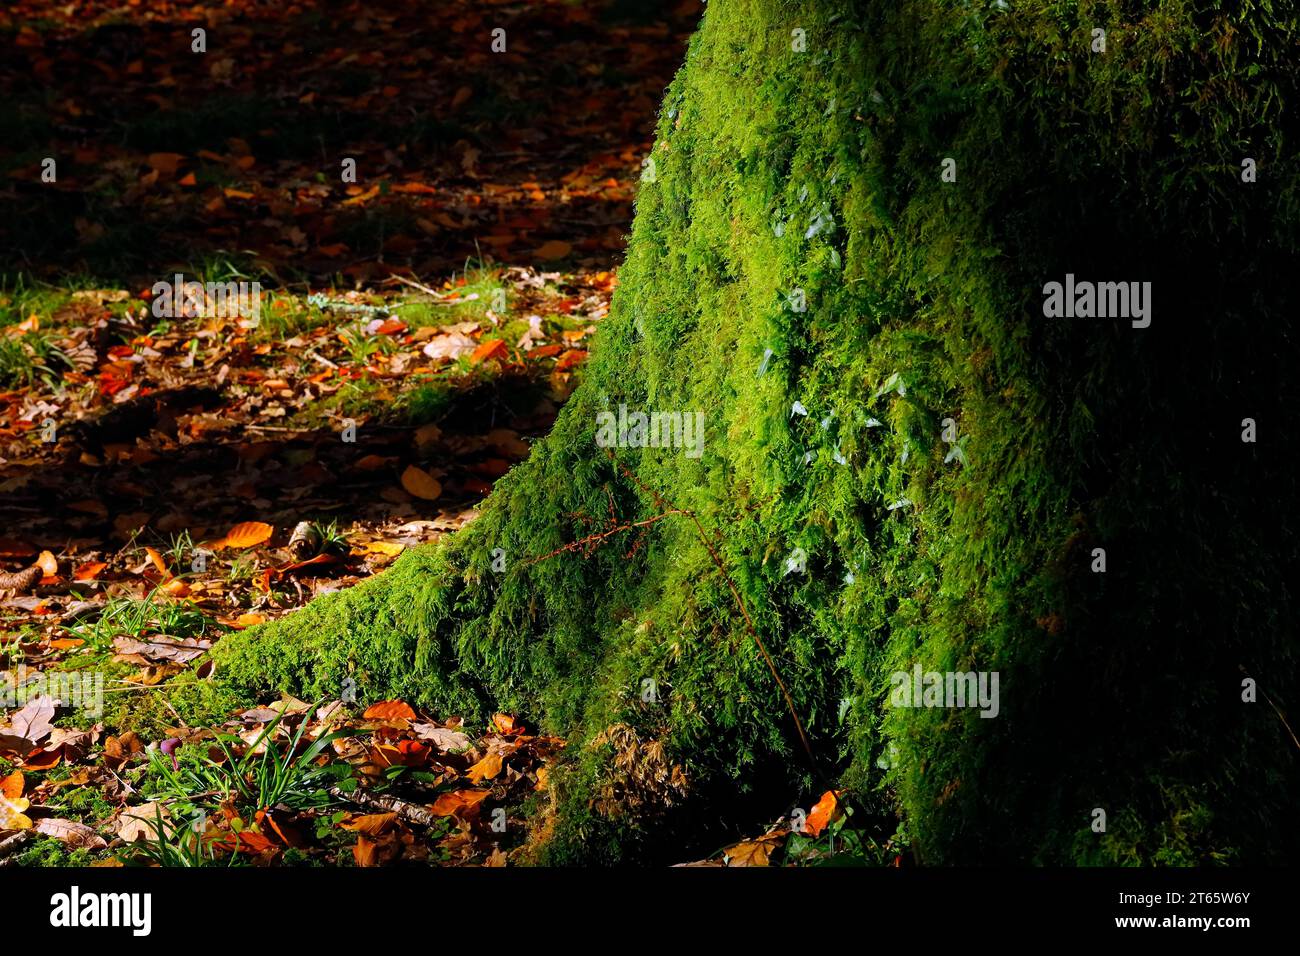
(1276, 709)
(667, 510)
(322, 360)
(593, 539)
(416, 285)
(407, 811)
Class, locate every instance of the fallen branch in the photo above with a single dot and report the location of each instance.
(411, 812)
(9, 844)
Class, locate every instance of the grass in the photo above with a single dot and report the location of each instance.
(141, 617)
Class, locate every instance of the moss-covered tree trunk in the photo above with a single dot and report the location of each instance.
(840, 257)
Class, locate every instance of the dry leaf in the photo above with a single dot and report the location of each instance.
(248, 534)
(420, 483)
(754, 852)
(825, 812)
(72, 833)
(49, 566)
(458, 802)
(555, 249)
(389, 710)
(485, 769)
(141, 822)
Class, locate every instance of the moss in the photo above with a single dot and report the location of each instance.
(153, 712)
(798, 244)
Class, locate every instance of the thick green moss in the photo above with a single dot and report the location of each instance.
(786, 178)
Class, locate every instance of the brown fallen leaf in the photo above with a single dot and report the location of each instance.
(34, 721)
(555, 249)
(141, 822)
(72, 833)
(754, 852)
(420, 483)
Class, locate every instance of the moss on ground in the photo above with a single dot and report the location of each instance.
(797, 244)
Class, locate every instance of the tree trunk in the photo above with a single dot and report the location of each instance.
(840, 263)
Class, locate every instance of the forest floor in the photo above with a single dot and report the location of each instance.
(168, 478)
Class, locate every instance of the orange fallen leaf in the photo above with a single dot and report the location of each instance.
(49, 566)
(89, 571)
(66, 643)
(555, 249)
(485, 769)
(458, 802)
(754, 852)
(505, 725)
(370, 824)
(246, 534)
(369, 194)
(365, 852)
(494, 349)
(156, 559)
(420, 483)
(390, 710)
(11, 787)
(249, 619)
(569, 359)
(825, 812)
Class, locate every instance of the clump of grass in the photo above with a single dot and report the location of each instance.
(140, 617)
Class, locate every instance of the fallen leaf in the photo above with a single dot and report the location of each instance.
(493, 349)
(49, 566)
(370, 824)
(89, 571)
(825, 812)
(458, 802)
(11, 787)
(141, 822)
(485, 769)
(448, 741)
(72, 833)
(389, 710)
(420, 483)
(365, 852)
(555, 249)
(754, 852)
(247, 534)
(34, 722)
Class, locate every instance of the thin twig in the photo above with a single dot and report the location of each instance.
(1276, 709)
(666, 510)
